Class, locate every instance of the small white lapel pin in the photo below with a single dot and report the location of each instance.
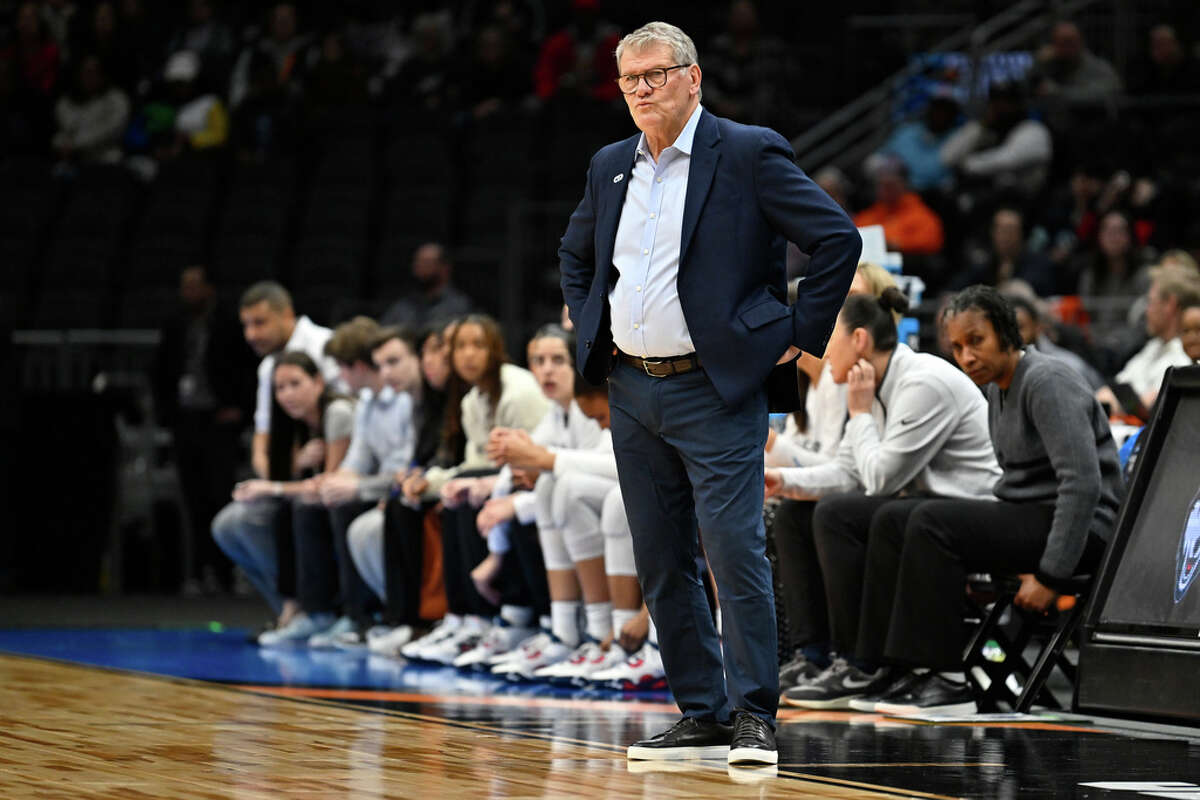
(618, 178)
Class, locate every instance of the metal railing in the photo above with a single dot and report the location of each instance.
(857, 129)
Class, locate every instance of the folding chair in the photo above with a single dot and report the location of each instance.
(1010, 678)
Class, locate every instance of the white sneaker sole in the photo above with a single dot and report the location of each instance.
(866, 706)
(676, 753)
(821, 705)
(901, 710)
(752, 755)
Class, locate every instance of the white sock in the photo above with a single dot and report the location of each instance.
(564, 621)
(652, 637)
(599, 620)
(476, 623)
(516, 616)
(620, 617)
(954, 677)
(544, 622)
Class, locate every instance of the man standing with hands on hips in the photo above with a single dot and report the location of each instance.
(673, 272)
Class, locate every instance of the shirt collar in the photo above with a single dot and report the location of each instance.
(683, 142)
(300, 334)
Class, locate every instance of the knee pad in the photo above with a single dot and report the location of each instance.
(554, 549)
(543, 492)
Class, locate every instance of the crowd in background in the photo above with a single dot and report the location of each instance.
(405, 472)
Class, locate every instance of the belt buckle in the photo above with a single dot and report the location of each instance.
(646, 367)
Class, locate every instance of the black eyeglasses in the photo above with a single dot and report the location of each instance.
(655, 78)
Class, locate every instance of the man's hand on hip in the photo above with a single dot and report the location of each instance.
(792, 354)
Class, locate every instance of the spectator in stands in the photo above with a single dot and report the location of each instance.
(1169, 68)
(270, 326)
(1006, 150)
(383, 366)
(748, 74)
(1066, 69)
(91, 118)
(102, 37)
(437, 300)
(206, 35)
(311, 428)
(336, 83)
(201, 121)
(58, 17)
(203, 384)
(1009, 260)
(836, 185)
(496, 78)
(26, 122)
(1053, 511)
(264, 124)
(422, 82)
(490, 393)
(1171, 290)
(1035, 330)
(909, 225)
(1112, 268)
(578, 59)
(918, 143)
(283, 48)
(917, 426)
(34, 53)
(1189, 331)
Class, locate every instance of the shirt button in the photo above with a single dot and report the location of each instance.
(659, 180)
(639, 288)
(652, 216)
(645, 252)
(636, 326)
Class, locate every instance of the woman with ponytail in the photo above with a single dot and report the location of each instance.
(917, 428)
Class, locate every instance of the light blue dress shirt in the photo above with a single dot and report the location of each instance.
(384, 440)
(647, 318)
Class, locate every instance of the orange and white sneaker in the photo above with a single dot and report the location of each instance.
(642, 670)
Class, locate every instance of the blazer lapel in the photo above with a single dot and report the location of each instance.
(610, 199)
(703, 166)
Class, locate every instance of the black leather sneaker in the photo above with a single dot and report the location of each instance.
(932, 694)
(753, 740)
(688, 738)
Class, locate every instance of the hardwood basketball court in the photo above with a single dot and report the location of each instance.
(111, 728)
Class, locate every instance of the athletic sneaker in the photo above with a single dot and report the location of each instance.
(837, 686)
(897, 689)
(461, 641)
(753, 740)
(502, 638)
(641, 670)
(444, 629)
(798, 670)
(689, 738)
(387, 641)
(299, 629)
(325, 639)
(542, 650)
(577, 668)
(932, 694)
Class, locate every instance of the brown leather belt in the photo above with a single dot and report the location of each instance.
(663, 367)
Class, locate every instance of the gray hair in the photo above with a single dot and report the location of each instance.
(683, 49)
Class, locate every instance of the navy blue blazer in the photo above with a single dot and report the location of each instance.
(746, 198)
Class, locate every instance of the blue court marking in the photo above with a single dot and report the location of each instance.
(228, 657)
